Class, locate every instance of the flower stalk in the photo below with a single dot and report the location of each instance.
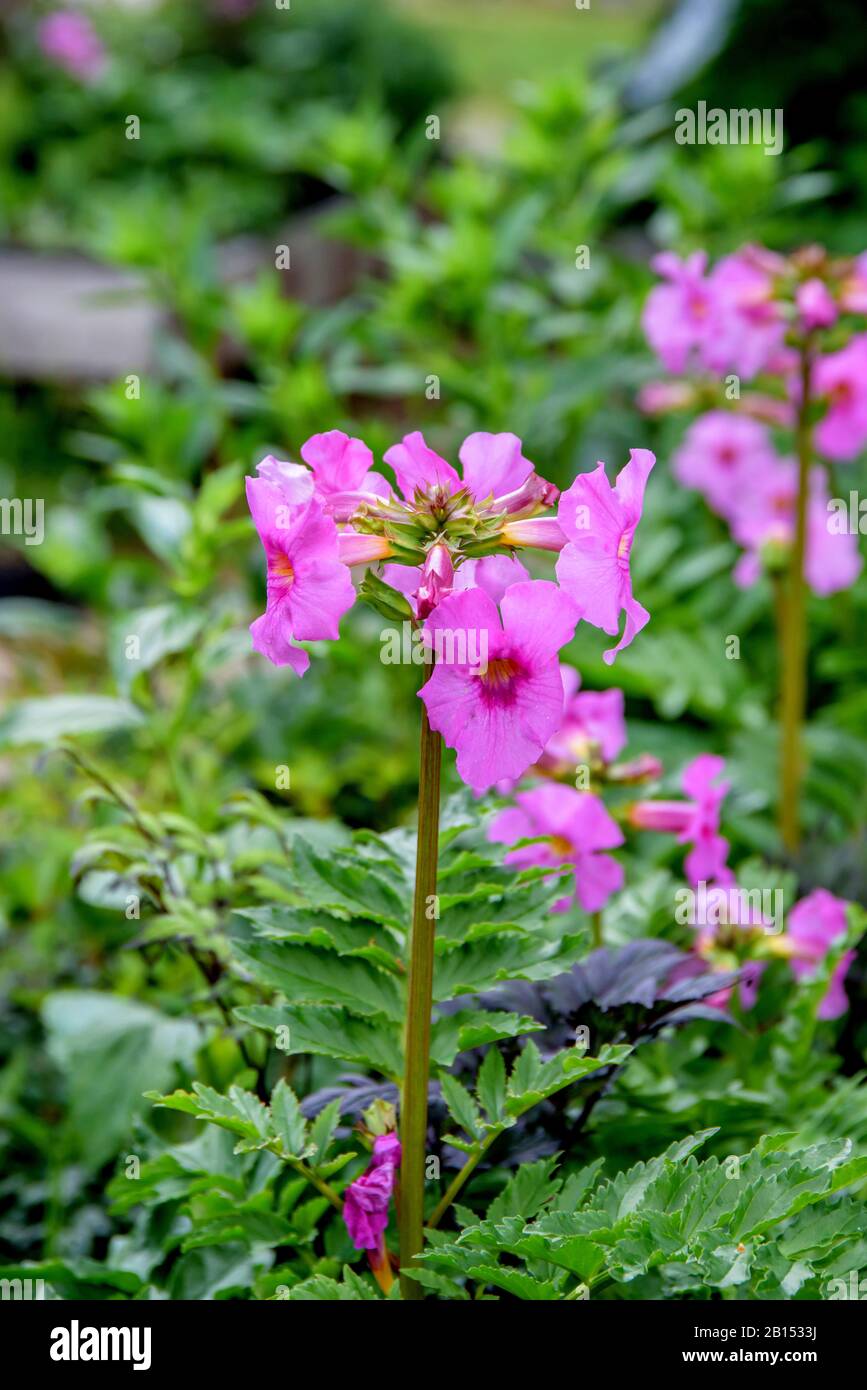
(794, 630)
(413, 1110)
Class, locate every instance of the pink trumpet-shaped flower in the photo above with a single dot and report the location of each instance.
(677, 313)
(496, 694)
(592, 721)
(722, 455)
(815, 923)
(599, 523)
(694, 822)
(494, 574)
(342, 464)
(841, 378)
(576, 827)
(495, 472)
(309, 589)
(70, 41)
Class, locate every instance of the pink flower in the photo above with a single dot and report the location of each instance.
(853, 293)
(815, 923)
(70, 41)
(366, 1200)
(309, 589)
(763, 515)
(599, 523)
(496, 474)
(437, 579)
(720, 455)
(747, 326)
(342, 469)
(694, 822)
(662, 397)
(676, 315)
(495, 694)
(841, 377)
(494, 574)
(575, 826)
(815, 304)
(592, 722)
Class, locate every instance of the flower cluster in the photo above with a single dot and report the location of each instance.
(739, 939)
(451, 539)
(789, 320)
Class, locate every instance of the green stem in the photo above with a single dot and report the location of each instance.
(413, 1110)
(794, 653)
(596, 921)
(456, 1184)
(319, 1183)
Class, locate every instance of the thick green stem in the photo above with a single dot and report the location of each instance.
(413, 1110)
(794, 654)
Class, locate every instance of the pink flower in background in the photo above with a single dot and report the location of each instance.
(833, 560)
(592, 721)
(853, 292)
(576, 828)
(661, 397)
(599, 523)
(721, 455)
(763, 515)
(816, 304)
(841, 378)
(70, 41)
(694, 822)
(366, 1200)
(497, 697)
(309, 589)
(677, 315)
(748, 326)
(815, 923)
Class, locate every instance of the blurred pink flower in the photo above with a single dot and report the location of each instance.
(599, 523)
(677, 314)
(592, 722)
(815, 304)
(500, 698)
(815, 923)
(747, 326)
(575, 826)
(721, 454)
(69, 40)
(841, 378)
(763, 515)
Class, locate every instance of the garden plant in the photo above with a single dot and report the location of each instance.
(433, 859)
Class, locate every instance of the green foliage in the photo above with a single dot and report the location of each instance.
(764, 1225)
